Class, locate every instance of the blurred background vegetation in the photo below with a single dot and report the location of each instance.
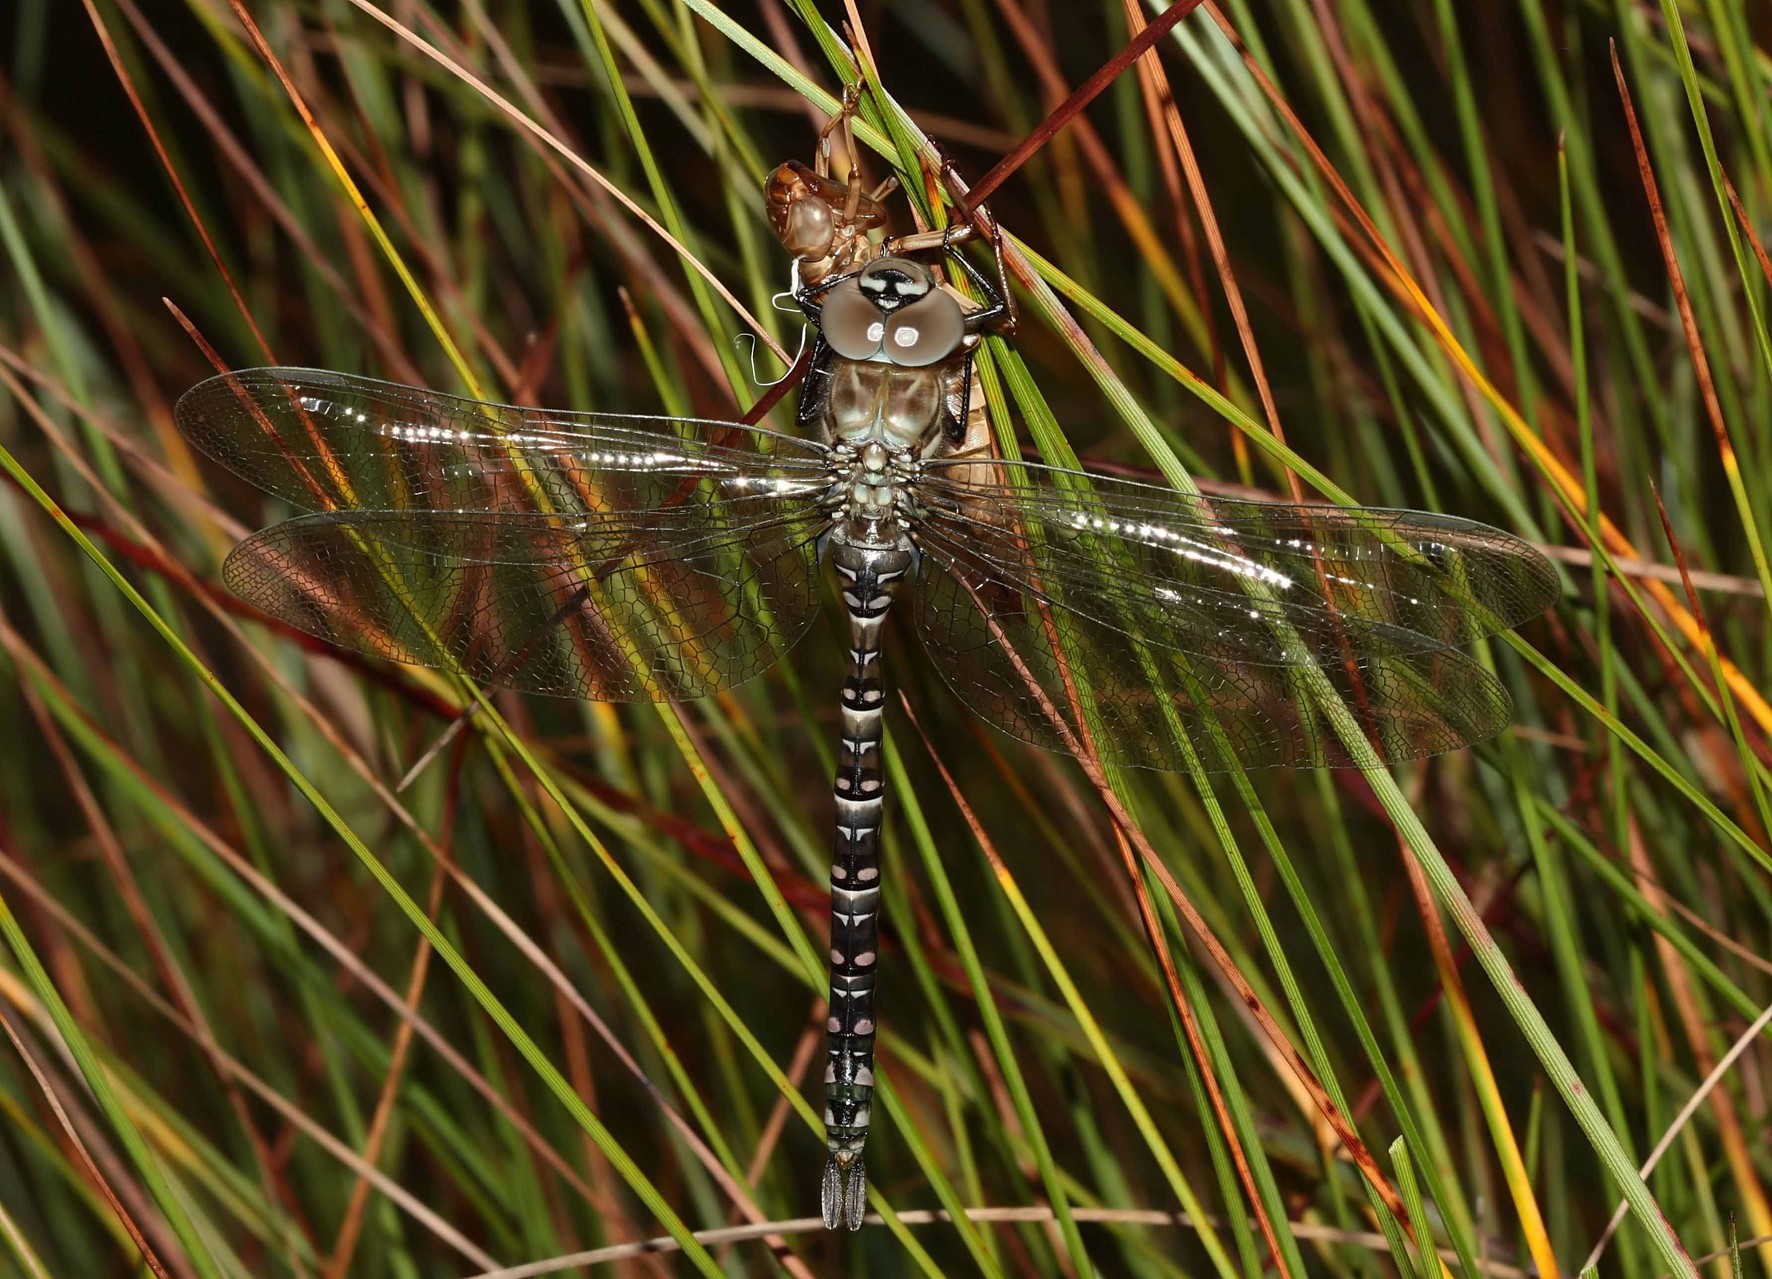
(268, 1018)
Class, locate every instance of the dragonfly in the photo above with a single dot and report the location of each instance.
(658, 559)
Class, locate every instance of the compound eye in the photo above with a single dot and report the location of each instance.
(809, 228)
(925, 332)
(851, 324)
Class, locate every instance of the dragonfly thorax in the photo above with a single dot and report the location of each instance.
(875, 402)
(871, 492)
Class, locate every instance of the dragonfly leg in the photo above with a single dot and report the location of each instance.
(821, 156)
(869, 576)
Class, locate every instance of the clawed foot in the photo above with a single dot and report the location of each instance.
(845, 1193)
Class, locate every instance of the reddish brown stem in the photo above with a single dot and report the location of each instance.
(1090, 90)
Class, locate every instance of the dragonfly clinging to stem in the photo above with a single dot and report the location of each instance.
(632, 559)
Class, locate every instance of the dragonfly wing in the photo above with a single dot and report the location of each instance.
(667, 607)
(1090, 615)
(1281, 583)
(1065, 681)
(332, 441)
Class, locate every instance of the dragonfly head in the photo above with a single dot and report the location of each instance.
(893, 311)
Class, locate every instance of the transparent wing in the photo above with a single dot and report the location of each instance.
(667, 607)
(331, 441)
(1278, 582)
(1083, 613)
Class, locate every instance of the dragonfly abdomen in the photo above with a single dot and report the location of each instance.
(869, 576)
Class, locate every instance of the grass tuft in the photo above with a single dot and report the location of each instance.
(267, 1015)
